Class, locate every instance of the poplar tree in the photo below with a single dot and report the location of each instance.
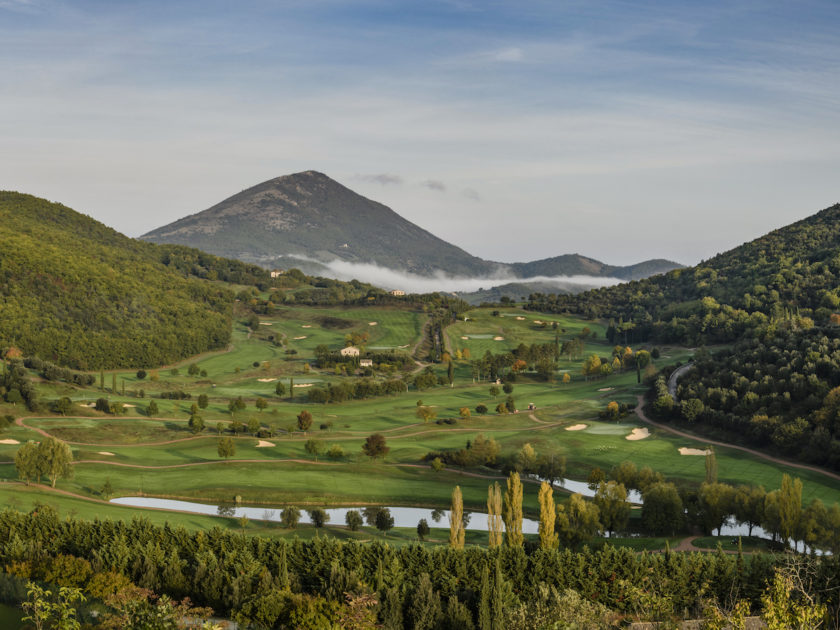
(548, 513)
(790, 506)
(711, 466)
(485, 620)
(456, 520)
(494, 515)
(513, 511)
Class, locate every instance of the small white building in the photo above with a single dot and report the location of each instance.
(398, 292)
(276, 273)
(350, 351)
(366, 363)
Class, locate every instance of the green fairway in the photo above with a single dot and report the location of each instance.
(161, 457)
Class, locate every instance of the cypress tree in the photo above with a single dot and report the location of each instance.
(391, 612)
(456, 520)
(513, 511)
(114, 383)
(548, 537)
(494, 515)
(485, 621)
(102, 380)
(425, 605)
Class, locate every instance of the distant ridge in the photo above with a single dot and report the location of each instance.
(308, 219)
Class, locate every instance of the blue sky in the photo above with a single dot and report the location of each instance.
(517, 130)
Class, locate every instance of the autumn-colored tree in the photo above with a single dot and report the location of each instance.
(548, 537)
(494, 515)
(456, 520)
(513, 511)
(375, 446)
(304, 420)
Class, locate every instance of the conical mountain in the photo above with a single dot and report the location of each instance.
(312, 216)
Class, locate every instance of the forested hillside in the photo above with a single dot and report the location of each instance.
(777, 298)
(791, 271)
(78, 293)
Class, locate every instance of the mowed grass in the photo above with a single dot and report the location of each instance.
(160, 457)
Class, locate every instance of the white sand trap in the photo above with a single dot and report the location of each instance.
(519, 318)
(638, 434)
(576, 427)
(498, 338)
(265, 323)
(127, 405)
(693, 451)
(307, 326)
(303, 384)
(9, 441)
(606, 389)
(538, 322)
(299, 338)
(91, 405)
(464, 337)
(264, 443)
(373, 323)
(266, 380)
(108, 453)
(401, 347)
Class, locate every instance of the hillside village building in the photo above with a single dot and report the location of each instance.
(397, 292)
(276, 273)
(366, 363)
(350, 351)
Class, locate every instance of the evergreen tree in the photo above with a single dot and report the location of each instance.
(513, 511)
(485, 619)
(425, 607)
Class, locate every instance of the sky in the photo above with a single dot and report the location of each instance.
(517, 130)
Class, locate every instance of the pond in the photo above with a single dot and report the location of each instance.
(403, 516)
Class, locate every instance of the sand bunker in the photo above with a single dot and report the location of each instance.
(373, 323)
(401, 347)
(638, 434)
(464, 337)
(127, 405)
(693, 451)
(264, 443)
(9, 441)
(109, 453)
(606, 389)
(576, 427)
(538, 322)
(299, 338)
(265, 323)
(519, 318)
(307, 326)
(303, 384)
(498, 338)
(91, 405)
(266, 380)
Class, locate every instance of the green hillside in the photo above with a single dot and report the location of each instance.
(80, 294)
(774, 301)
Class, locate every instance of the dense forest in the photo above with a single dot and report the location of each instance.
(776, 300)
(325, 583)
(80, 294)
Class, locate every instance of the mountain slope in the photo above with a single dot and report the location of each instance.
(577, 265)
(78, 293)
(308, 214)
(307, 219)
(794, 268)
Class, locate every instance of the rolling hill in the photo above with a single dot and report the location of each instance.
(76, 292)
(308, 219)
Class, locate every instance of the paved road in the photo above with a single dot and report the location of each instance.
(675, 376)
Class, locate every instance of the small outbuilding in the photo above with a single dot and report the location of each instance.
(366, 363)
(350, 351)
(398, 292)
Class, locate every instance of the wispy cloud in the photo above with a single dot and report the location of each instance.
(434, 184)
(509, 54)
(383, 179)
(471, 194)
